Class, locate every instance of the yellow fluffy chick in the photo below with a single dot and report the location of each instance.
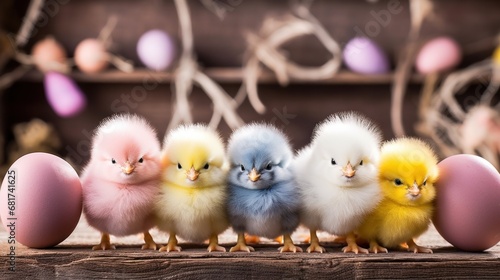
(407, 173)
(192, 202)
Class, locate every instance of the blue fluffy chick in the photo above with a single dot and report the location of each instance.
(263, 196)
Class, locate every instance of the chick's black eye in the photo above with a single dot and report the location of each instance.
(179, 166)
(398, 182)
(113, 161)
(206, 166)
(242, 168)
(141, 160)
(361, 163)
(424, 183)
(333, 162)
(269, 167)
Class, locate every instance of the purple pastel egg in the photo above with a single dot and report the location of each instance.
(156, 49)
(63, 94)
(363, 55)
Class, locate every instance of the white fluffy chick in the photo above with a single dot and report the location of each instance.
(337, 177)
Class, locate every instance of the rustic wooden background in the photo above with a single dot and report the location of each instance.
(220, 43)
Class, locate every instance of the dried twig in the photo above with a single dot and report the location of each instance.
(34, 10)
(188, 72)
(459, 129)
(265, 49)
(22, 37)
(119, 62)
(419, 9)
(7, 79)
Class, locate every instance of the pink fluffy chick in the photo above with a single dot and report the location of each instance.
(122, 178)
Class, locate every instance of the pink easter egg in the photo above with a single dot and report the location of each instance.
(48, 55)
(63, 94)
(437, 55)
(40, 200)
(91, 56)
(467, 202)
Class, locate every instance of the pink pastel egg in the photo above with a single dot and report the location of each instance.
(439, 54)
(63, 94)
(363, 55)
(91, 56)
(156, 49)
(40, 200)
(48, 55)
(467, 210)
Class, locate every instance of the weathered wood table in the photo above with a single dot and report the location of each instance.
(73, 259)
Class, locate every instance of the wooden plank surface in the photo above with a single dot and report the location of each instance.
(74, 259)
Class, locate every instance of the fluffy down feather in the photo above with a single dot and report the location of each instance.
(337, 175)
(263, 195)
(122, 178)
(407, 173)
(192, 202)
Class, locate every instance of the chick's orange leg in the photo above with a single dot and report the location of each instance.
(105, 243)
(171, 245)
(352, 246)
(241, 245)
(150, 244)
(315, 247)
(412, 246)
(213, 244)
(288, 245)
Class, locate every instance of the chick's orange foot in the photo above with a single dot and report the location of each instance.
(288, 245)
(289, 248)
(412, 246)
(375, 248)
(240, 247)
(149, 246)
(215, 248)
(103, 246)
(354, 248)
(315, 247)
(105, 243)
(170, 248)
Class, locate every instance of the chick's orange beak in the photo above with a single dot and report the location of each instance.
(128, 168)
(414, 190)
(192, 174)
(348, 170)
(254, 175)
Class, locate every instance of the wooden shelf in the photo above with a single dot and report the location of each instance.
(222, 75)
(74, 259)
(78, 261)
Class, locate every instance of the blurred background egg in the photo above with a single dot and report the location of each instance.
(63, 95)
(49, 55)
(156, 49)
(468, 202)
(48, 201)
(91, 56)
(439, 54)
(363, 55)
